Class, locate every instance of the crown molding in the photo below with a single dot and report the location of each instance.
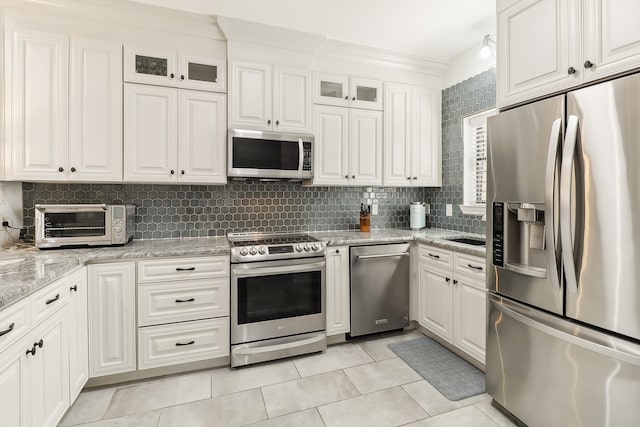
(137, 15)
(268, 35)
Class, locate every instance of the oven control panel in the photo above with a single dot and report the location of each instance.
(251, 253)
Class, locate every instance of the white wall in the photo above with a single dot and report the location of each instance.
(11, 210)
(468, 64)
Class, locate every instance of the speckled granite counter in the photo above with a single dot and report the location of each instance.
(24, 271)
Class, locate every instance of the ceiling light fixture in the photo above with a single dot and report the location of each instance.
(485, 52)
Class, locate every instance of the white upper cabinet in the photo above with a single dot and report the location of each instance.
(270, 98)
(348, 146)
(538, 51)
(611, 37)
(166, 67)
(95, 119)
(546, 46)
(346, 91)
(174, 136)
(37, 66)
(412, 155)
(150, 133)
(65, 111)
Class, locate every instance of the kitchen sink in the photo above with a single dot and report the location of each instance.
(468, 241)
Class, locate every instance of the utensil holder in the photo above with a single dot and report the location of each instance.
(365, 222)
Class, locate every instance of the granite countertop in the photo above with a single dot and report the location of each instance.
(25, 269)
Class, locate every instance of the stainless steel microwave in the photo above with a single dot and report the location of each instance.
(59, 226)
(257, 154)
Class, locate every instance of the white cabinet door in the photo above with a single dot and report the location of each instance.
(202, 127)
(16, 405)
(331, 132)
(397, 135)
(436, 302)
(78, 324)
(539, 50)
(50, 371)
(470, 316)
(37, 90)
(150, 134)
(365, 93)
(250, 100)
(338, 293)
(201, 73)
(426, 147)
(292, 100)
(151, 66)
(365, 147)
(95, 118)
(611, 37)
(112, 318)
(331, 89)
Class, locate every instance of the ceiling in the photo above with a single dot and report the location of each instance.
(432, 29)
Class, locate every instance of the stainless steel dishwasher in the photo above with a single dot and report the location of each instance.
(379, 288)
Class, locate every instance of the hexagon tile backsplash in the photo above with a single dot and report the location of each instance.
(201, 210)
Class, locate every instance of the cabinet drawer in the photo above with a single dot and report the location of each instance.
(470, 265)
(176, 302)
(49, 300)
(182, 268)
(14, 323)
(182, 342)
(436, 256)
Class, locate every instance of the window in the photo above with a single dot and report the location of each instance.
(475, 163)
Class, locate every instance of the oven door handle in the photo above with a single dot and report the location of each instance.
(250, 271)
(300, 156)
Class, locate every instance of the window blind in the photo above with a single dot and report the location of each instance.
(479, 173)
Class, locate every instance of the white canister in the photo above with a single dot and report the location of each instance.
(418, 216)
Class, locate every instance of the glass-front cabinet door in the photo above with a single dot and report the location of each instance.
(150, 66)
(202, 73)
(365, 93)
(331, 89)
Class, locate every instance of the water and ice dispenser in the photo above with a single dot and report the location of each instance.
(519, 238)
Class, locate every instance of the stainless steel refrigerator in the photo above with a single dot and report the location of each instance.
(563, 232)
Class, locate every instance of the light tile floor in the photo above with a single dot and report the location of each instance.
(358, 383)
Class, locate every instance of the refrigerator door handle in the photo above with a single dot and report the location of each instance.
(566, 237)
(549, 214)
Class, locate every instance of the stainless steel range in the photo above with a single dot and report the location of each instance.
(277, 296)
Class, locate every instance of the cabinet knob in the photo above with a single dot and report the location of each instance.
(588, 64)
(182, 172)
(60, 169)
(172, 75)
(277, 122)
(571, 70)
(415, 177)
(32, 351)
(446, 279)
(346, 98)
(181, 76)
(353, 99)
(73, 169)
(455, 282)
(409, 178)
(39, 343)
(353, 177)
(337, 251)
(172, 172)
(269, 121)
(346, 176)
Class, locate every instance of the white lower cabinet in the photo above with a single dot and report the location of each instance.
(452, 298)
(184, 342)
(337, 291)
(15, 401)
(112, 318)
(78, 333)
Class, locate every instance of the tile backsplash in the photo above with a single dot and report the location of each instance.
(201, 210)
(468, 97)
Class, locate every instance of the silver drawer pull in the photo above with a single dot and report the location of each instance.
(9, 329)
(179, 344)
(434, 256)
(185, 269)
(186, 300)
(475, 267)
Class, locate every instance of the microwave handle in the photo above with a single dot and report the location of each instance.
(76, 208)
(301, 155)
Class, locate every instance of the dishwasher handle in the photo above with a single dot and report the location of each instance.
(359, 257)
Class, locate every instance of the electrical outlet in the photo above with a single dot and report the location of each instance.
(374, 209)
(449, 210)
